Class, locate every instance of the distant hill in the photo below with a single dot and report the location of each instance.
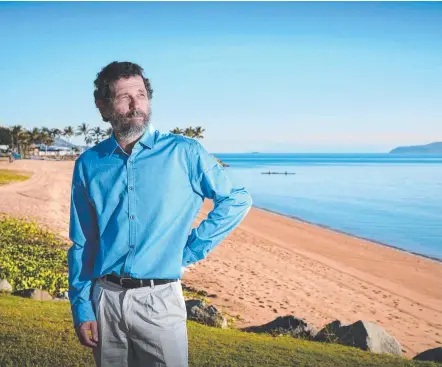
(63, 143)
(433, 148)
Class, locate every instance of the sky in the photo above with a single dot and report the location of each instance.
(258, 76)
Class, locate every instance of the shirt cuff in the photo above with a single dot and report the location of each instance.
(82, 312)
(188, 257)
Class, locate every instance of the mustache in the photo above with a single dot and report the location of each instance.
(135, 113)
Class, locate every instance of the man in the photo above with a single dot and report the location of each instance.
(133, 201)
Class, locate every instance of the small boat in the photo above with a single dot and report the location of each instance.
(278, 173)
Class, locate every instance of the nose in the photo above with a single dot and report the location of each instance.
(135, 103)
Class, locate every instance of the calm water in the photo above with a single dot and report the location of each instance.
(392, 199)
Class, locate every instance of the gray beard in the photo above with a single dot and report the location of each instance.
(126, 130)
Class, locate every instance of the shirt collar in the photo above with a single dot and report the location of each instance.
(147, 140)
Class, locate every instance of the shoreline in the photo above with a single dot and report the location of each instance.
(324, 226)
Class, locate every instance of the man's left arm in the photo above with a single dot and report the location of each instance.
(231, 204)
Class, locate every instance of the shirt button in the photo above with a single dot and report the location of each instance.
(131, 188)
(131, 246)
(132, 217)
(130, 161)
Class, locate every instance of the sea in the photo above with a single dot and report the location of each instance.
(392, 199)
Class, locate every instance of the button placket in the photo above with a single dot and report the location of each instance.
(131, 214)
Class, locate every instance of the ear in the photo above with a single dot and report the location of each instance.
(102, 107)
(99, 104)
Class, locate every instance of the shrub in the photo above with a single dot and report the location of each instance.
(32, 257)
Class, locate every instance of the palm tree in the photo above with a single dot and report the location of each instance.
(46, 131)
(108, 132)
(56, 133)
(35, 137)
(25, 141)
(188, 131)
(198, 132)
(35, 134)
(5, 136)
(97, 134)
(15, 133)
(177, 130)
(46, 138)
(69, 132)
(84, 130)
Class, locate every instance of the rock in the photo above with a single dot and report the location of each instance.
(286, 325)
(36, 294)
(63, 296)
(434, 355)
(5, 286)
(364, 335)
(203, 313)
(328, 333)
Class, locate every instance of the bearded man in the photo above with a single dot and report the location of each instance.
(134, 198)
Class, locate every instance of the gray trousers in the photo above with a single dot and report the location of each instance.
(140, 326)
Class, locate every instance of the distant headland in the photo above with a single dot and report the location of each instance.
(433, 148)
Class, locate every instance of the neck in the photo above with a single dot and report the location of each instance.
(126, 143)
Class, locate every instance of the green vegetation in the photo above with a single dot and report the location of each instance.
(5, 136)
(31, 257)
(7, 176)
(191, 132)
(34, 333)
(23, 140)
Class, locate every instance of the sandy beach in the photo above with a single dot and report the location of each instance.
(272, 266)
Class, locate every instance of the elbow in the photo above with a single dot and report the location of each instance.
(244, 199)
(238, 199)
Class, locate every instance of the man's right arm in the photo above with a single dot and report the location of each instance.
(83, 232)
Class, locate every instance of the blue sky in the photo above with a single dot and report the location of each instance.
(269, 77)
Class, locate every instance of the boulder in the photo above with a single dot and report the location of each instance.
(203, 313)
(286, 325)
(5, 286)
(364, 335)
(329, 333)
(63, 296)
(434, 355)
(36, 294)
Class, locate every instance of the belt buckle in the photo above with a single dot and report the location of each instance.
(121, 280)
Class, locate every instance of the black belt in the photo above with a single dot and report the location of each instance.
(128, 282)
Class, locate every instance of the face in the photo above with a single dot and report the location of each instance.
(129, 109)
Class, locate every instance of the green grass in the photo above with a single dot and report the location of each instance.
(7, 176)
(34, 333)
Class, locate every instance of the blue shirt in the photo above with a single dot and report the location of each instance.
(132, 215)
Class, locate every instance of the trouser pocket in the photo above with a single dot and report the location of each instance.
(97, 295)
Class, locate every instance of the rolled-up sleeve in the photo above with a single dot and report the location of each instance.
(83, 233)
(231, 204)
